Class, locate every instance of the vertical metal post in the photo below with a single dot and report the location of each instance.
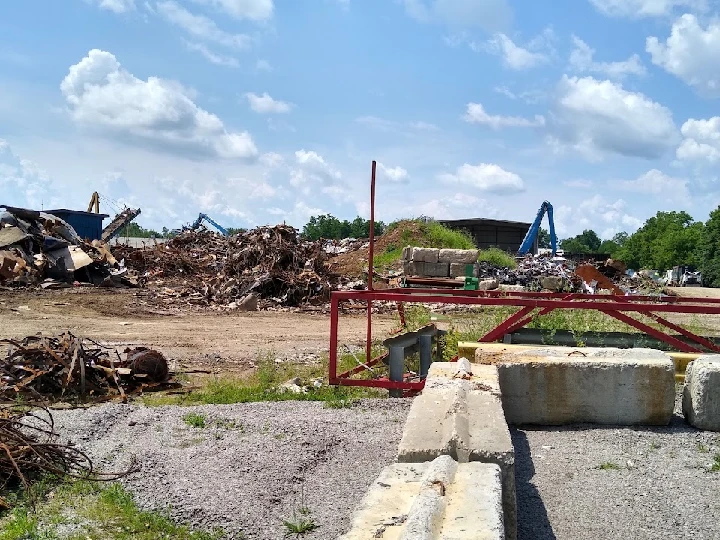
(396, 363)
(425, 342)
(371, 263)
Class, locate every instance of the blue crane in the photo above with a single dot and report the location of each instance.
(534, 229)
(203, 217)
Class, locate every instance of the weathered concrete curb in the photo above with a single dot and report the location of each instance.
(594, 385)
(701, 394)
(437, 500)
(460, 414)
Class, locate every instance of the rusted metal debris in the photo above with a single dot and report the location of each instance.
(30, 448)
(41, 369)
(37, 248)
(205, 268)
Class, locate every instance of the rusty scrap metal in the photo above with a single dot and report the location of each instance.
(30, 448)
(41, 369)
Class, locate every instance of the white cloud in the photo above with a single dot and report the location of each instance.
(596, 213)
(116, 6)
(200, 26)
(531, 97)
(272, 159)
(580, 184)
(691, 54)
(457, 206)
(22, 182)
(485, 177)
(645, 8)
(254, 10)
(581, 60)
(312, 170)
(393, 174)
(263, 65)
(265, 104)
(218, 59)
(701, 140)
(102, 95)
(514, 56)
(490, 15)
(252, 189)
(597, 117)
(657, 183)
(476, 114)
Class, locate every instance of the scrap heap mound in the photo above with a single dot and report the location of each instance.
(269, 266)
(37, 248)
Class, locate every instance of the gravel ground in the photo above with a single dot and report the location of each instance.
(663, 488)
(252, 465)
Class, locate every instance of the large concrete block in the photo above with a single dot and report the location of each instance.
(430, 255)
(458, 270)
(488, 284)
(463, 256)
(460, 414)
(412, 268)
(438, 500)
(701, 395)
(407, 253)
(596, 385)
(437, 269)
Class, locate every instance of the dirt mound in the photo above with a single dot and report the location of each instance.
(354, 264)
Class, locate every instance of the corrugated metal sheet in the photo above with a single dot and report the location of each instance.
(87, 225)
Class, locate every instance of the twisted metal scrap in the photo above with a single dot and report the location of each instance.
(30, 448)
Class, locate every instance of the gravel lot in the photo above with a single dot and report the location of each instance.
(662, 489)
(252, 464)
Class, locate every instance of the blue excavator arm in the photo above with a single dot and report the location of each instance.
(207, 218)
(527, 243)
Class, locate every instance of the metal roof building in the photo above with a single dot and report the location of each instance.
(487, 233)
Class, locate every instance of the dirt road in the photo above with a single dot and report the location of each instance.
(226, 341)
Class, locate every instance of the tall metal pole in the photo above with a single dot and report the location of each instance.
(371, 263)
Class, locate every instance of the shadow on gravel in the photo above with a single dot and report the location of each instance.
(532, 518)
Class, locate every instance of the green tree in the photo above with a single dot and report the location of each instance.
(543, 238)
(708, 251)
(133, 230)
(586, 242)
(331, 228)
(609, 247)
(665, 240)
(574, 245)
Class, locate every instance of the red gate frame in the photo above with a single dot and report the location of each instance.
(613, 305)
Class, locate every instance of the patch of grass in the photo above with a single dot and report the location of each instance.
(497, 257)
(194, 420)
(655, 445)
(299, 525)
(609, 466)
(265, 385)
(715, 467)
(440, 236)
(82, 510)
(703, 449)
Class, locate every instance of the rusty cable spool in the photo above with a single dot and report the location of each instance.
(149, 363)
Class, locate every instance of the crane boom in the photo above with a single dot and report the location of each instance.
(207, 218)
(545, 208)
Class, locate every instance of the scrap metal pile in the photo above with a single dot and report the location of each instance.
(40, 369)
(37, 248)
(30, 449)
(268, 264)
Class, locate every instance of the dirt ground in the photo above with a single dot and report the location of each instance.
(222, 341)
(695, 292)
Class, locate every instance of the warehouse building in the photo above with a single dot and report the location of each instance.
(487, 233)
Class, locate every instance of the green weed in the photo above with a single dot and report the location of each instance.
(703, 449)
(194, 420)
(82, 510)
(609, 466)
(715, 467)
(497, 257)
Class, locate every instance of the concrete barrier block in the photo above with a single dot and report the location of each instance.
(701, 394)
(438, 500)
(407, 253)
(437, 269)
(458, 270)
(512, 288)
(595, 385)
(462, 256)
(461, 415)
(412, 268)
(429, 255)
(487, 284)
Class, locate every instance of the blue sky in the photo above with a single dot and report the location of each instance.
(262, 111)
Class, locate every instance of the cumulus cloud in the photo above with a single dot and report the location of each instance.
(514, 56)
(311, 170)
(598, 213)
(659, 184)
(22, 182)
(701, 140)
(489, 15)
(598, 117)
(691, 53)
(581, 60)
(486, 177)
(200, 26)
(116, 6)
(393, 174)
(265, 104)
(476, 114)
(213, 58)
(645, 8)
(102, 95)
(455, 206)
(254, 10)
